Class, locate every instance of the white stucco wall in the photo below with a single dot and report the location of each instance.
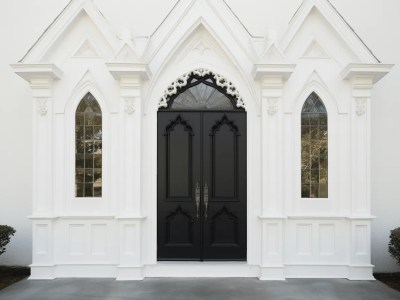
(22, 22)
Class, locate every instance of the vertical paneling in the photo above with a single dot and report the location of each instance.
(179, 162)
(129, 239)
(224, 160)
(361, 240)
(272, 246)
(42, 241)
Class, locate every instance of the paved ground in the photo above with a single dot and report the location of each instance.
(193, 289)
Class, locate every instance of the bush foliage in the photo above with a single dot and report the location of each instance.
(5, 236)
(394, 244)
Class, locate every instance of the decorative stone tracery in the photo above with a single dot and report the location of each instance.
(182, 81)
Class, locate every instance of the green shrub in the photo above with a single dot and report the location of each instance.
(5, 236)
(394, 244)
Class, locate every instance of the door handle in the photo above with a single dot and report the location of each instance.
(197, 199)
(205, 193)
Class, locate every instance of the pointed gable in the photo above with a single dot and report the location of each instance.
(320, 19)
(73, 13)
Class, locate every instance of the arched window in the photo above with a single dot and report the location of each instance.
(314, 148)
(88, 148)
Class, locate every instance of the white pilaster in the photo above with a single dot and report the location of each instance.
(130, 77)
(362, 79)
(272, 79)
(41, 78)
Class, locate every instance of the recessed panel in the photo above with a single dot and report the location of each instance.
(273, 232)
(41, 243)
(361, 239)
(224, 163)
(179, 162)
(129, 239)
(179, 228)
(224, 228)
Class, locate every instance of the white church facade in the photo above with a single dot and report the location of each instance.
(201, 150)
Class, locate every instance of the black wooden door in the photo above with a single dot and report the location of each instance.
(201, 185)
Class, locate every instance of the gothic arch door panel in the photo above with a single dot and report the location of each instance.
(201, 185)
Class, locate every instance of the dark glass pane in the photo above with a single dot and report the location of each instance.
(202, 96)
(88, 189)
(314, 148)
(97, 161)
(79, 189)
(89, 161)
(305, 191)
(88, 166)
(88, 132)
(88, 175)
(97, 191)
(80, 147)
(79, 119)
(79, 161)
(305, 119)
(97, 133)
(314, 191)
(314, 119)
(89, 147)
(80, 175)
(79, 132)
(89, 119)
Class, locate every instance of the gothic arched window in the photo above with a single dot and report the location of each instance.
(314, 148)
(88, 148)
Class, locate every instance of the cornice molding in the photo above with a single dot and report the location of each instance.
(120, 70)
(365, 72)
(282, 71)
(32, 71)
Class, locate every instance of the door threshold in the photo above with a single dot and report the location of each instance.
(229, 269)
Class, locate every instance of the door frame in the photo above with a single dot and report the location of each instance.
(149, 171)
(201, 113)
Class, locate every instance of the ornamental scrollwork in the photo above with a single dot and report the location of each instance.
(272, 106)
(129, 106)
(361, 106)
(182, 81)
(41, 106)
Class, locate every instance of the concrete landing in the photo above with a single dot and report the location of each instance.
(202, 288)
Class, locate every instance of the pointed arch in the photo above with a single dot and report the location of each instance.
(314, 148)
(88, 148)
(206, 77)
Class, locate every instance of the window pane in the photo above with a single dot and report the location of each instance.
(314, 149)
(88, 144)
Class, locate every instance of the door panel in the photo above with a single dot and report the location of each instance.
(206, 150)
(224, 166)
(178, 172)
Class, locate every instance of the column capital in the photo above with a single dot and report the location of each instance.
(365, 75)
(129, 72)
(272, 74)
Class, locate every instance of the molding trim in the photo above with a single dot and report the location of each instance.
(182, 81)
(282, 71)
(30, 71)
(120, 70)
(373, 71)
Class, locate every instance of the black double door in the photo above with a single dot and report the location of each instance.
(201, 185)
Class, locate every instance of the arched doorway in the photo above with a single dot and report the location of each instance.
(202, 171)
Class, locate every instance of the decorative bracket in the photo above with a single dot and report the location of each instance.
(361, 106)
(129, 106)
(182, 81)
(41, 104)
(272, 106)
